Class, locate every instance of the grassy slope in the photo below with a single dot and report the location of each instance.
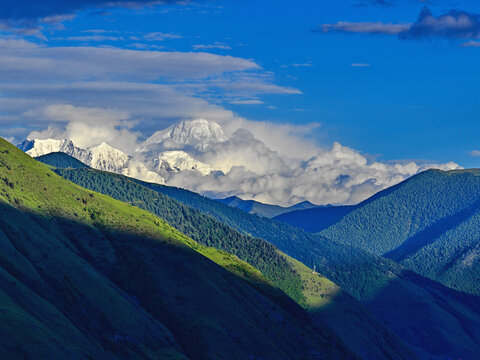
(329, 304)
(72, 261)
(373, 280)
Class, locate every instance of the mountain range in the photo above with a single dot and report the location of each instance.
(428, 223)
(441, 322)
(201, 156)
(267, 210)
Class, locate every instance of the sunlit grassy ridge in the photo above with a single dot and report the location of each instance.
(293, 277)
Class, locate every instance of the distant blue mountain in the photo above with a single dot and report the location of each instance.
(61, 160)
(261, 209)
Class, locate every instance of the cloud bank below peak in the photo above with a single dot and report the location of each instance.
(255, 161)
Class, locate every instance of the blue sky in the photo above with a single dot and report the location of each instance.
(395, 80)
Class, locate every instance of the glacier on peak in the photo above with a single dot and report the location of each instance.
(198, 133)
(177, 161)
(101, 157)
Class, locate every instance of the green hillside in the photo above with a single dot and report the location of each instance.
(430, 223)
(373, 280)
(201, 228)
(367, 336)
(98, 279)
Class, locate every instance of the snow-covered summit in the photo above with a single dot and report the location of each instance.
(178, 161)
(198, 133)
(101, 157)
(37, 147)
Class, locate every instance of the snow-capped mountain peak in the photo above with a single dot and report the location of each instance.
(177, 161)
(37, 147)
(101, 157)
(198, 133)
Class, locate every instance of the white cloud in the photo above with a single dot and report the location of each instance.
(475, 153)
(160, 36)
(471, 44)
(366, 27)
(31, 62)
(339, 175)
(119, 96)
(217, 45)
(86, 126)
(360, 65)
(247, 102)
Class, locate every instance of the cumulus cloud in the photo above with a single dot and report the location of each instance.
(86, 126)
(475, 153)
(455, 24)
(339, 175)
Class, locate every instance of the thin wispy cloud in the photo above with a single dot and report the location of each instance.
(306, 64)
(455, 24)
(471, 44)
(217, 45)
(475, 153)
(247, 102)
(160, 36)
(365, 28)
(360, 65)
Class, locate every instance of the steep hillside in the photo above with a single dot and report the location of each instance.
(329, 305)
(373, 280)
(258, 208)
(99, 279)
